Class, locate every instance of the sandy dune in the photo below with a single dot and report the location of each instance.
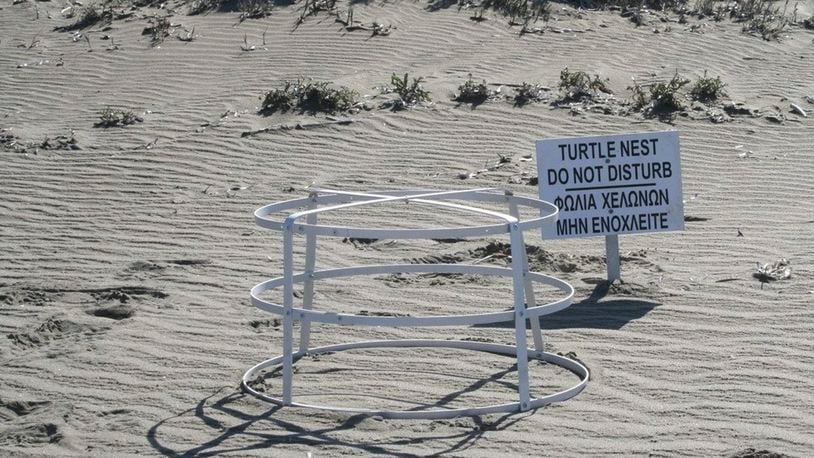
(125, 265)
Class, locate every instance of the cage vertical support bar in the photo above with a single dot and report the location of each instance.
(308, 287)
(536, 332)
(518, 287)
(288, 305)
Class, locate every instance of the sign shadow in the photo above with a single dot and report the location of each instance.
(596, 312)
(593, 312)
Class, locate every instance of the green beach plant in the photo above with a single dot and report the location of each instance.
(519, 12)
(308, 95)
(88, 16)
(410, 92)
(707, 88)
(527, 93)
(111, 117)
(580, 85)
(201, 6)
(472, 92)
(158, 29)
(314, 7)
(659, 98)
(279, 99)
(666, 96)
(760, 17)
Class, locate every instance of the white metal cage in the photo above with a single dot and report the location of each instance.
(525, 307)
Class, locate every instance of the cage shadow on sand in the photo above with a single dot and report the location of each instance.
(270, 428)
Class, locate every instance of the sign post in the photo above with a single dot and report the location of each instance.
(612, 256)
(610, 185)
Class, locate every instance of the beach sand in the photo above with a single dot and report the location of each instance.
(126, 264)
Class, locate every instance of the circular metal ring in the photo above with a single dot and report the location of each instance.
(341, 200)
(508, 350)
(440, 320)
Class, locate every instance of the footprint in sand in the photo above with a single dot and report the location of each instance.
(158, 267)
(115, 312)
(125, 294)
(122, 298)
(31, 423)
(438, 259)
(14, 296)
(31, 435)
(12, 410)
(260, 325)
(359, 243)
(53, 329)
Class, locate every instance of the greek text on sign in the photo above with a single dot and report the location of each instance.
(615, 184)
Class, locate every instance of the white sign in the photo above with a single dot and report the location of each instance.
(614, 184)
